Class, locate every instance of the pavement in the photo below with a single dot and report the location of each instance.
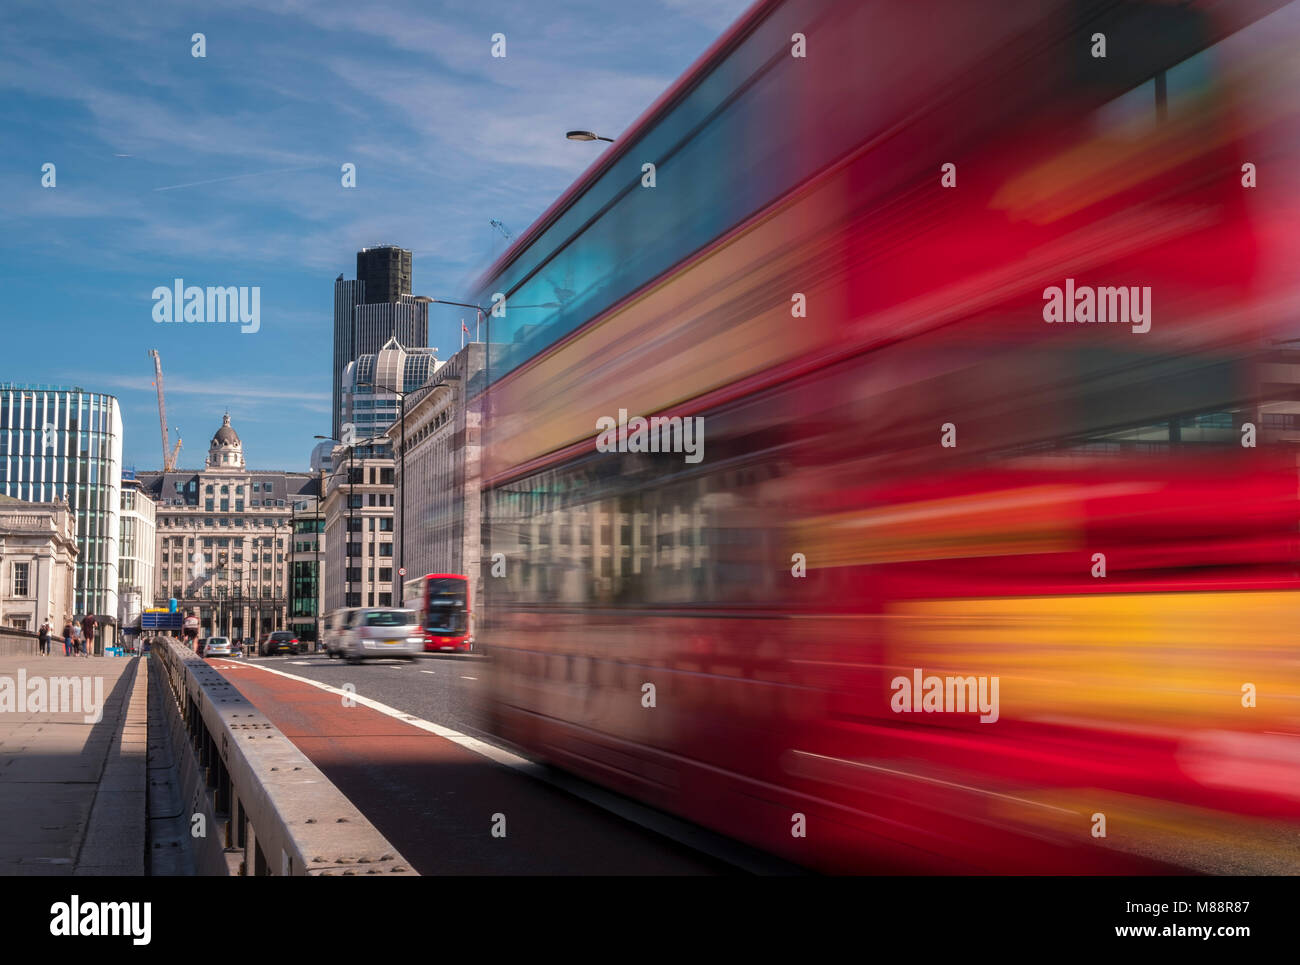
(72, 789)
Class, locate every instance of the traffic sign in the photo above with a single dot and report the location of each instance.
(401, 571)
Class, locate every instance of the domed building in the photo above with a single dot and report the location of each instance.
(226, 451)
(237, 546)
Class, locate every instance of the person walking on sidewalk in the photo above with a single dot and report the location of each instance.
(43, 639)
(67, 636)
(88, 630)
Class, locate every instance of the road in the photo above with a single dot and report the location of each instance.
(443, 799)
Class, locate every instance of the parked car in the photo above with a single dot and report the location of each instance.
(218, 647)
(279, 641)
(332, 631)
(382, 632)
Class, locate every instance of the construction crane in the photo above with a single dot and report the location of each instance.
(501, 228)
(169, 455)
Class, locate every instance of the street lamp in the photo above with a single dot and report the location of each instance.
(482, 312)
(586, 136)
(352, 447)
(347, 598)
(401, 483)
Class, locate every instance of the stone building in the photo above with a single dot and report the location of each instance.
(38, 563)
(224, 536)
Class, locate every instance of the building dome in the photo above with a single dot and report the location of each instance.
(226, 451)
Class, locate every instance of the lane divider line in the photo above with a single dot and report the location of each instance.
(456, 737)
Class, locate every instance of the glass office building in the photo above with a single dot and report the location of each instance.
(63, 442)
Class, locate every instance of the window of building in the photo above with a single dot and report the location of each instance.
(225, 505)
(21, 574)
(385, 574)
(208, 490)
(239, 505)
(386, 549)
(385, 599)
(386, 524)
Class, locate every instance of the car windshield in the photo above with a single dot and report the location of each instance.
(218, 642)
(390, 618)
(282, 636)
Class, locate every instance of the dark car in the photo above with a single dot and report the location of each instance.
(280, 641)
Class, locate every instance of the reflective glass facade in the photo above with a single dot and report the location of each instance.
(62, 442)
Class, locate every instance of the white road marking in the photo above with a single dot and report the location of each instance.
(426, 671)
(456, 737)
(463, 677)
(673, 828)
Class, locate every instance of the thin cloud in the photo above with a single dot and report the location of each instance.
(236, 177)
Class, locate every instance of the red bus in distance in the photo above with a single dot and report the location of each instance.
(442, 600)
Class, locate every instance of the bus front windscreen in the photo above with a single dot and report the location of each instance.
(446, 613)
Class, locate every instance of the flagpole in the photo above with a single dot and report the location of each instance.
(462, 333)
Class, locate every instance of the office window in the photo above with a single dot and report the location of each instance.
(386, 549)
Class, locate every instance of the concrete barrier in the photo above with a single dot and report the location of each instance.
(22, 643)
(266, 809)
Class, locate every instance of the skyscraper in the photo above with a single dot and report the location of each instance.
(372, 309)
(62, 442)
(386, 273)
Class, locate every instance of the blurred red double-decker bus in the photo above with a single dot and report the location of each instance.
(955, 573)
(442, 600)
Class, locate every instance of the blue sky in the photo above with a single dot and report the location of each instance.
(233, 177)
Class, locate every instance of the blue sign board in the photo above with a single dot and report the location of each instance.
(152, 620)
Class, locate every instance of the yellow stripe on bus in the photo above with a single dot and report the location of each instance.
(1180, 659)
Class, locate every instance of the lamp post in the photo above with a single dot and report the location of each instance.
(274, 551)
(318, 530)
(586, 136)
(401, 483)
(482, 313)
(347, 596)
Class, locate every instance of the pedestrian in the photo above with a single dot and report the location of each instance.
(43, 639)
(67, 636)
(88, 630)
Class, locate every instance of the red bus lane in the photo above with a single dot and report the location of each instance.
(438, 802)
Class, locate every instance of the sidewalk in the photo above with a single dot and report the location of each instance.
(72, 792)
